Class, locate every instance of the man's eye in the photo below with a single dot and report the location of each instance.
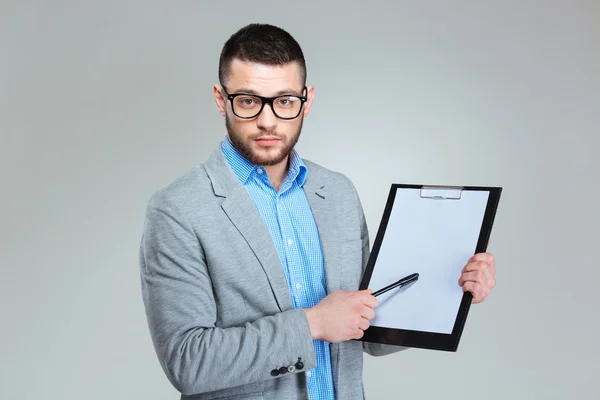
(286, 101)
(247, 101)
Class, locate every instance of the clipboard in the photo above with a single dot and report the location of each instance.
(430, 230)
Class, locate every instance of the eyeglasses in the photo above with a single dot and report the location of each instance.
(248, 106)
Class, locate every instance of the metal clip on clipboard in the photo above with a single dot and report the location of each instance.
(442, 192)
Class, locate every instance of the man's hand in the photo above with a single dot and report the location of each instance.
(478, 276)
(342, 315)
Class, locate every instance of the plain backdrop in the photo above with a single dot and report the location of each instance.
(102, 103)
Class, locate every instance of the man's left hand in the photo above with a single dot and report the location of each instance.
(478, 276)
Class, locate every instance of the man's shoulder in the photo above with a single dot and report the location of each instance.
(181, 190)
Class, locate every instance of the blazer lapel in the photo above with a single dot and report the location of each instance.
(323, 209)
(242, 212)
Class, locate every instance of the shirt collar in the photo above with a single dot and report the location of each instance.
(297, 169)
(244, 169)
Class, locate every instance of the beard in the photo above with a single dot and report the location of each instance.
(245, 149)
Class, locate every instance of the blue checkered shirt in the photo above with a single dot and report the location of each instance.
(288, 216)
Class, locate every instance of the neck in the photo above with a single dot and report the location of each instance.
(278, 172)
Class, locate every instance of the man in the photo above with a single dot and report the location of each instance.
(250, 262)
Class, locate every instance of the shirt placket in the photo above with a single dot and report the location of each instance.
(290, 244)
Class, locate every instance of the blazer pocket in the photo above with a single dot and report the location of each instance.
(351, 264)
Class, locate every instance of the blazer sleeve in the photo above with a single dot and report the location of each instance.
(373, 349)
(195, 354)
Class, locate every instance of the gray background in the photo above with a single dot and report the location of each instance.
(102, 103)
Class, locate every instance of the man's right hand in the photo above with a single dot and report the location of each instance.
(342, 315)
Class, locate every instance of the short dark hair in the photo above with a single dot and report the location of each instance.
(264, 44)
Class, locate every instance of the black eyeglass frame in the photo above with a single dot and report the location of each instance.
(265, 100)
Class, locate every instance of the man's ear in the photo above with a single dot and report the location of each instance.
(310, 94)
(220, 100)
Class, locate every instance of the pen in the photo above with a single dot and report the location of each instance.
(402, 282)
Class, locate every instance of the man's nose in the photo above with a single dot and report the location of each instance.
(267, 119)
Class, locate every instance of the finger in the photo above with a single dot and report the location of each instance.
(364, 324)
(481, 277)
(359, 334)
(479, 292)
(486, 269)
(483, 261)
(475, 266)
(474, 289)
(368, 313)
(369, 300)
(487, 257)
(473, 276)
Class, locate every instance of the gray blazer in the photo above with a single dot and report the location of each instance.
(217, 303)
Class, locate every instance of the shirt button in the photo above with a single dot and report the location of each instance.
(308, 374)
(290, 242)
(260, 171)
(298, 286)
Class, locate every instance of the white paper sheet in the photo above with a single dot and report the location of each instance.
(434, 238)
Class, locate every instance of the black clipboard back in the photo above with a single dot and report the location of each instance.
(424, 338)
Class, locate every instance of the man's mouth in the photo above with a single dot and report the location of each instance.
(267, 140)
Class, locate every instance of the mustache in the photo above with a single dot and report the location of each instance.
(263, 134)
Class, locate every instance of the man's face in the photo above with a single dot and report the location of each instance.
(264, 139)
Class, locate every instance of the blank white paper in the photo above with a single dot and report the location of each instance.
(434, 238)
